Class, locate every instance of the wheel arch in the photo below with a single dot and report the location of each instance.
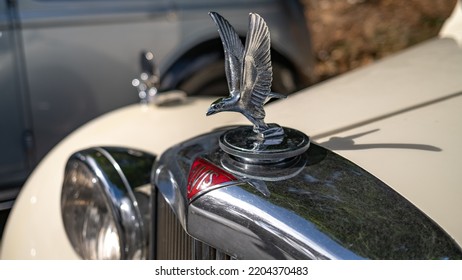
(205, 61)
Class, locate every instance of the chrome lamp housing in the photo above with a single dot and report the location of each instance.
(105, 202)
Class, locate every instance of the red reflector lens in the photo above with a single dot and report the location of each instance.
(204, 175)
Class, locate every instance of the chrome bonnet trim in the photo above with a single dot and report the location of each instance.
(172, 191)
(247, 226)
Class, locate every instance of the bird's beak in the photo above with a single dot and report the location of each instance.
(211, 111)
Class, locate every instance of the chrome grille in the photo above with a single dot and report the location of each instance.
(173, 243)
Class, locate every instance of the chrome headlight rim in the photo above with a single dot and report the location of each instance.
(119, 199)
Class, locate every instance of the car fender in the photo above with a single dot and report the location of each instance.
(35, 229)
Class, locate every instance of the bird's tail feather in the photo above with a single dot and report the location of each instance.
(276, 95)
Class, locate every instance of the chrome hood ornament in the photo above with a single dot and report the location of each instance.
(249, 75)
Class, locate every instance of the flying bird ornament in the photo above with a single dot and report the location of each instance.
(249, 74)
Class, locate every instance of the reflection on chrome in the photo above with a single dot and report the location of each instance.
(324, 208)
(148, 84)
(104, 214)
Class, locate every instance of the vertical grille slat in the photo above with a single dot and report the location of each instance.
(174, 243)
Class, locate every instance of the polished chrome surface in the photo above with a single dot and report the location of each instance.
(270, 171)
(249, 74)
(242, 143)
(148, 84)
(122, 175)
(246, 226)
(322, 207)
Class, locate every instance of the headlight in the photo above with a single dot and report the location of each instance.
(104, 214)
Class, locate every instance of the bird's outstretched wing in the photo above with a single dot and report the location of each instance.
(234, 51)
(257, 72)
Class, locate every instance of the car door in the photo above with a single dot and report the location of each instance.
(15, 131)
(82, 55)
(64, 62)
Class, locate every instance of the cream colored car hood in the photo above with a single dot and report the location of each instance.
(400, 119)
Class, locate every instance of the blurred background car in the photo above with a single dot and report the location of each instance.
(65, 62)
